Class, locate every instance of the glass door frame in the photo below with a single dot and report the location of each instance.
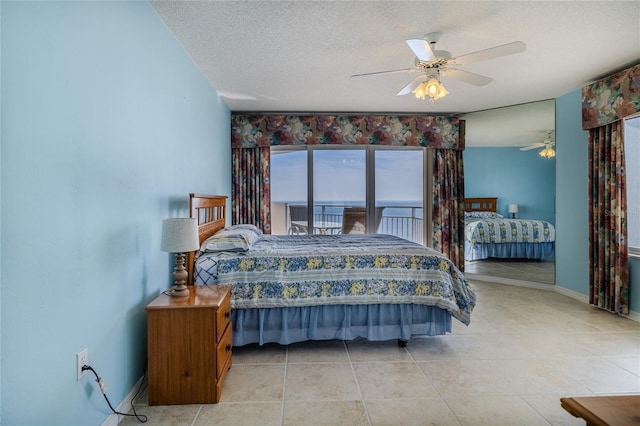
(370, 204)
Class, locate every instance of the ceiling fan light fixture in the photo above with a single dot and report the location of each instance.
(431, 88)
(547, 152)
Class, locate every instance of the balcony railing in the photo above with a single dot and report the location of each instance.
(402, 221)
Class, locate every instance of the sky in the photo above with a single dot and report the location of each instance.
(340, 175)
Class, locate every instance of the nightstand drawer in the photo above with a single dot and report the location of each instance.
(223, 315)
(225, 347)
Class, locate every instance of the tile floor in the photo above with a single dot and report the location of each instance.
(524, 349)
(537, 271)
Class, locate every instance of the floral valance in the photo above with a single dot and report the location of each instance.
(267, 130)
(611, 99)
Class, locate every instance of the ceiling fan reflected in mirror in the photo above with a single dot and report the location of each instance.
(435, 64)
(547, 144)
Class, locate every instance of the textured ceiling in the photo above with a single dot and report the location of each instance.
(273, 56)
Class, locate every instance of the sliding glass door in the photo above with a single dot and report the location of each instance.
(351, 190)
(288, 190)
(339, 185)
(399, 193)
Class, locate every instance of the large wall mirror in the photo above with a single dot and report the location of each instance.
(510, 155)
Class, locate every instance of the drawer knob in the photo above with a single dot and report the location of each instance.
(227, 314)
(228, 347)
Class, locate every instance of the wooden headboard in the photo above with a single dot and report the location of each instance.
(481, 204)
(211, 212)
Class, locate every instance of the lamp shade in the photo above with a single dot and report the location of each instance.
(179, 235)
(513, 208)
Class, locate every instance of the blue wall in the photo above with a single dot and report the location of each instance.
(515, 177)
(0, 212)
(634, 277)
(572, 220)
(107, 125)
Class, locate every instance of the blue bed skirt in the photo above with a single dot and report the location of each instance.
(343, 322)
(542, 251)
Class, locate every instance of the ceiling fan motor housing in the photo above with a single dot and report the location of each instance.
(433, 38)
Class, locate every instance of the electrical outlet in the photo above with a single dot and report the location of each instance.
(82, 358)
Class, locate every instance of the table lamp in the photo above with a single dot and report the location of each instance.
(179, 235)
(513, 209)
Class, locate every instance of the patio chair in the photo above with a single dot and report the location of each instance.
(297, 213)
(354, 220)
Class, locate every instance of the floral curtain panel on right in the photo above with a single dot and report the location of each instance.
(605, 104)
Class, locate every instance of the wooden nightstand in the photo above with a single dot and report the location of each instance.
(189, 346)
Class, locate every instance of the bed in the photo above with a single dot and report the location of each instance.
(488, 234)
(293, 288)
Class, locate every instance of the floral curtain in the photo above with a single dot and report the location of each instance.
(605, 104)
(608, 260)
(251, 189)
(448, 204)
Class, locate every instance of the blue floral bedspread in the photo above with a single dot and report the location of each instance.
(307, 270)
(509, 231)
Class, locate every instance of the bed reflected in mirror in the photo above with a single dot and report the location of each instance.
(510, 158)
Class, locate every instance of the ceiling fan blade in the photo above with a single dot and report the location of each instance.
(534, 146)
(409, 87)
(385, 72)
(491, 53)
(421, 49)
(466, 77)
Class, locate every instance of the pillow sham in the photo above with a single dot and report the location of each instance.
(230, 240)
(246, 226)
(483, 215)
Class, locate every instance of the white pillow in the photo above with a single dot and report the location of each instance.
(247, 226)
(230, 240)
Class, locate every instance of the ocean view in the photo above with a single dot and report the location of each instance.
(391, 208)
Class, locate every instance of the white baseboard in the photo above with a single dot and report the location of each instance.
(572, 294)
(124, 406)
(633, 315)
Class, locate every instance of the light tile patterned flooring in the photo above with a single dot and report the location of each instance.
(524, 349)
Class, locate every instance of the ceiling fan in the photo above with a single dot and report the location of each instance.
(547, 143)
(432, 64)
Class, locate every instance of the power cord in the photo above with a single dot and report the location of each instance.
(103, 388)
